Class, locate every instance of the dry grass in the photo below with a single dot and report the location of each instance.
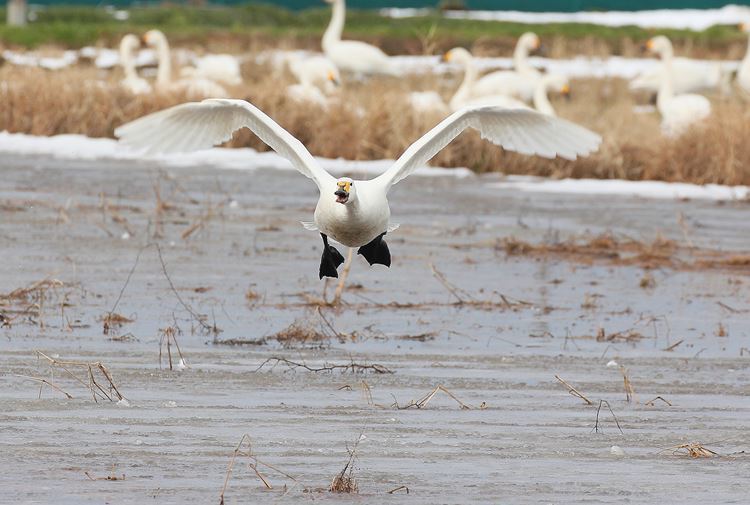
(88, 101)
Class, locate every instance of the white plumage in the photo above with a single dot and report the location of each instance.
(678, 111)
(222, 68)
(353, 55)
(194, 87)
(134, 84)
(354, 213)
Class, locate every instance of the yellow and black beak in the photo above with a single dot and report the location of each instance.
(446, 57)
(332, 78)
(342, 193)
(144, 39)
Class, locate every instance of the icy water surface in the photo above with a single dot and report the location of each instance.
(494, 333)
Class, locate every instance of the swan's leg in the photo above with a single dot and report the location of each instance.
(330, 260)
(376, 251)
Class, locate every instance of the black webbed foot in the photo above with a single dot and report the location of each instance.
(376, 252)
(330, 260)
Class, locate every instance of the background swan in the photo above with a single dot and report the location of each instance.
(678, 111)
(317, 78)
(353, 55)
(743, 74)
(519, 82)
(546, 84)
(687, 75)
(222, 68)
(192, 86)
(134, 84)
(353, 213)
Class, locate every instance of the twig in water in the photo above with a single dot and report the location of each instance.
(455, 291)
(344, 481)
(111, 313)
(694, 450)
(351, 367)
(651, 403)
(168, 336)
(252, 464)
(201, 319)
(629, 391)
(400, 488)
(45, 382)
(422, 402)
(110, 477)
(112, 393)
(573, 391)
(596, 424)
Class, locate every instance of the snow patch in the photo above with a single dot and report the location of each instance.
(690, 19)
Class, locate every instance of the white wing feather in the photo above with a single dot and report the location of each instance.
(519, 130)
(201, 125)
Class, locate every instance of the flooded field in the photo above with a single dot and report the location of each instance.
(492, 293)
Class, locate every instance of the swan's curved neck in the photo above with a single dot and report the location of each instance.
(128, 63)
(521, 59)
(463, 93)
(336, 26)
(746, 60)
(541, 100)
(163, 56)
(666, 89)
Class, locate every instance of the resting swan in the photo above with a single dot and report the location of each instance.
(353, 213)
(546, 84)
(743, 74)
(192, 86)
(687, 76)
(353, 55)
(518, 83)
(317, 78)
(134, 84)
(223, 68)
(678, 111)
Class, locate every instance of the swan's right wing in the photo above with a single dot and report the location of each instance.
(520, 130)
(201, 125)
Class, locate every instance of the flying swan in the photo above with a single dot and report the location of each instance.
(353, 213)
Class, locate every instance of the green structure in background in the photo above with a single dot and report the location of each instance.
(519, 5)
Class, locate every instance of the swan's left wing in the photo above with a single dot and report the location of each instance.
(520, 130)
(200, 125)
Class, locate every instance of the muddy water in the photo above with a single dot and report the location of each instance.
(531, 442)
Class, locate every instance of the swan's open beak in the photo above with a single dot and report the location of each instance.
(341, 196)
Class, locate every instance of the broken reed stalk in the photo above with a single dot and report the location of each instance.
(44, 382)
(351, 367)
(111, 393)
(342, 279)
(651, 403)
(629, 391)
(454, 290)
(596, 424)
(693, 449)
(168, 336)
(252, 464)
(573, 391)
(422, 402)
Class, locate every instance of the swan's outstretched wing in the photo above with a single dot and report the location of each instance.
(519, 130)
(200, 125)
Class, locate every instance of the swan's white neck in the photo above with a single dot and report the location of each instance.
(666, 89)
(164, 57)
(541, 100)
(745, 64)
(336, 26)
(128, 62)
(463, 93)
(521, 59)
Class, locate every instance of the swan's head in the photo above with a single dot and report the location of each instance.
(556, 83)
(530, 42)
(659, 45)
(457, 55)
(129, 44)
(154, 38)
(333, 76)
(345, 191)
